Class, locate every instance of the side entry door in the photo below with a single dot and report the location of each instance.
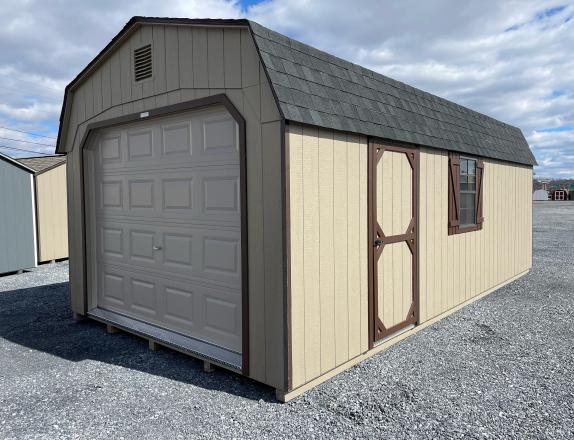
(393, 214)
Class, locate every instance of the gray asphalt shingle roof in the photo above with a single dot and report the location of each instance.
(314, 87)
(39, 164)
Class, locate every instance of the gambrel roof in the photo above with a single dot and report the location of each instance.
(313, 87)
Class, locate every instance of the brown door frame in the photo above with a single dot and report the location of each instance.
(377, 238)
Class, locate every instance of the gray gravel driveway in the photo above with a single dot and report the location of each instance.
(502, 367)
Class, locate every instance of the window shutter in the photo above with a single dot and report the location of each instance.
(479, 192)
(453, 192)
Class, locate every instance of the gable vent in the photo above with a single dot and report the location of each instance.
(142, 63)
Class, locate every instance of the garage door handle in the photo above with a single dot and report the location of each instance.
(157, 248)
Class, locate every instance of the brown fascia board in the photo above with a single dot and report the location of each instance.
(129, 27)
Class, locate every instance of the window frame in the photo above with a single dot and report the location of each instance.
(454, 194)
(467, 191)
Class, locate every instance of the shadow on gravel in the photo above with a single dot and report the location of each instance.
(40, 319)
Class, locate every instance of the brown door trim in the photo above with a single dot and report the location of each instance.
(377, 238)
(194, 104)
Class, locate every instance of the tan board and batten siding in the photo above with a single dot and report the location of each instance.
(329, 250)
(191, 62)
(51, 209)
(456, 268)
(328, 241)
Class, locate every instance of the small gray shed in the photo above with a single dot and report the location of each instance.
(17, 216)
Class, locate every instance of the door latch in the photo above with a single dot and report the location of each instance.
(378, 242)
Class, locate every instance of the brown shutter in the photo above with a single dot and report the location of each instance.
(453, 192)
(479, 192)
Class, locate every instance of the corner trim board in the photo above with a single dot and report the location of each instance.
(285, 183)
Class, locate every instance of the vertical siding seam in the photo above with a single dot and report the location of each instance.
(263, 272)
(178, 62)
(223, 56)
(334, 238)
(358, 245)
(165, 59)
(318, 213)
(303, 256)
(347, 243)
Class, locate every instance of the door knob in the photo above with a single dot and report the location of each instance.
(157, 248)
(378, 242)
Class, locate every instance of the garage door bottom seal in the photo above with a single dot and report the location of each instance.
(185, 344)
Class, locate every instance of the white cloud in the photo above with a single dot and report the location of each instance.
(509, 59)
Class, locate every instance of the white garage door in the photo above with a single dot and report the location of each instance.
(166, 227)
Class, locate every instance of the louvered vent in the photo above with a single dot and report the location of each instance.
(142, 63)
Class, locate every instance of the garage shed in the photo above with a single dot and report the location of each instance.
(51, 206)
(17, 216)
(273, 209)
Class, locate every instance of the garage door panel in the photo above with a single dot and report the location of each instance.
(219, 135)
(176, 139)
(112, 242)
(204, 194)
(209, 138)
(208, 254)
(210, 314)
(111, 194)
(178, 250)
(221, 256)
(141, 246)
(141, 193)
(222, 318)
(112, 287)
(177, 194)
(221, 195)
(110, 149)
(179, 306)
(140, 144)
(167, 218)
(144, 296)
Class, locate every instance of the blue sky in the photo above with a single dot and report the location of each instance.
(509, 59)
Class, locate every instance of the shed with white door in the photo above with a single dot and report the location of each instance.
(273, 209)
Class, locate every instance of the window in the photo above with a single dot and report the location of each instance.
(465, 179)
(467, 192)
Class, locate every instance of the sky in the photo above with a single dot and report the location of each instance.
(512, 59)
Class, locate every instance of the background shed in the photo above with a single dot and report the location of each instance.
(51, 205)
(540, 194)
(17, 216)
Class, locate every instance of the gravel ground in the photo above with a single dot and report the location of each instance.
(502, 367)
